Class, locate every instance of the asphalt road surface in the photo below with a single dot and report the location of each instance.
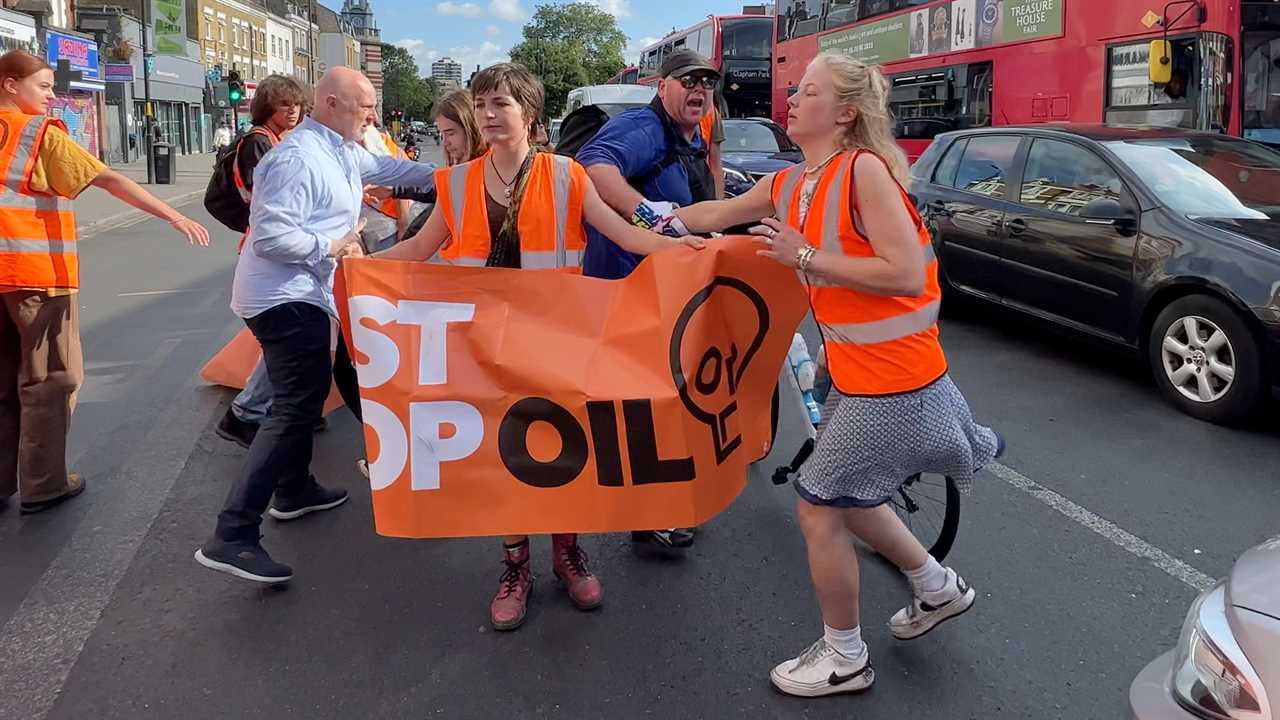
(1085, 544)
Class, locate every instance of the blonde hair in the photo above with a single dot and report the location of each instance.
(865, 89)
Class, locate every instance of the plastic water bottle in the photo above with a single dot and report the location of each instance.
(803, 367)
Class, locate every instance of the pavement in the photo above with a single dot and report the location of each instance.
(97, 210)
(1086, 544)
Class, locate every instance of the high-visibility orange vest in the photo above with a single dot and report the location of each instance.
(391, 206)
(37, 230)
(550, 225)
(875, 345)
(708, 127)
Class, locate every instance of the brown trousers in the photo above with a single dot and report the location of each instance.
(41, 369)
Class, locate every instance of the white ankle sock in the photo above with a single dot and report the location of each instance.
(846, 642)
(928, 578)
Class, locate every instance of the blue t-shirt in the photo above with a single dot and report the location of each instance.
(635, 142)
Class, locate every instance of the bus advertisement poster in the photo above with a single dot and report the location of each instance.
(959, 25)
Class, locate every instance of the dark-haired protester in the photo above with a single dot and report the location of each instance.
(302, 219)
(522, 209)
(645, 162)
(276, 109)
(844, 221)
(41, 366)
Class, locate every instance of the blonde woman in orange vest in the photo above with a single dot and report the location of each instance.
(517, 208)
(40, 361)
(843, 220)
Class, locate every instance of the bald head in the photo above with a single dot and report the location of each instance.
(345, 99)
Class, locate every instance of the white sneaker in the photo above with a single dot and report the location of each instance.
(363, 466)
(821, 670)
(924, 614)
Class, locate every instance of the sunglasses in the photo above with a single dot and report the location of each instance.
(689, 82)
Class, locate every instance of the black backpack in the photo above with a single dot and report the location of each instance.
(222, 198)
(580, 126)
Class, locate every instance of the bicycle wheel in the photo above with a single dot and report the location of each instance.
(929, 506)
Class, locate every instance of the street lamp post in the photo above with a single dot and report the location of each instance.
(148, 120)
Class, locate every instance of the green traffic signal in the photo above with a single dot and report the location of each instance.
(234, 95)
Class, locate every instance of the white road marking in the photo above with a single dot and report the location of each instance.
(1116, 535)
(142, 293)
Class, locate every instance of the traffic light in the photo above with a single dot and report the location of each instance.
(235, 88)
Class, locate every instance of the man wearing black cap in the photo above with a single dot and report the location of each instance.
(645, 162)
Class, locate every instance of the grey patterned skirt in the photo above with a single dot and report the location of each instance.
(874, 444)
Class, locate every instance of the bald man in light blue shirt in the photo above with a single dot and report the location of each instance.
(303, 217)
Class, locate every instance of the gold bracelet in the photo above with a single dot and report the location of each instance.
(804, 257)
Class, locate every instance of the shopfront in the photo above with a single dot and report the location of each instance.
(177, 96)
(17, 32)
(78, 108)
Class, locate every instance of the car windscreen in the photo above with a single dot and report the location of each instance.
(754, 137)
(1207, 176)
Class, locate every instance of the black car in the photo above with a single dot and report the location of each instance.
(752, 149)
(1163, 240)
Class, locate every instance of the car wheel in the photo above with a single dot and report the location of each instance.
(1205, 359)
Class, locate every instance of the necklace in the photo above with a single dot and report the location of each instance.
(810, 170)
(506, 191)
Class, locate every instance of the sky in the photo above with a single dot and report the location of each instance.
(481, 32)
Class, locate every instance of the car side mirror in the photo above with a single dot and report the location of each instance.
(1108, 211)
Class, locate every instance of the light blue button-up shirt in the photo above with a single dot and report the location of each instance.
(307, 193)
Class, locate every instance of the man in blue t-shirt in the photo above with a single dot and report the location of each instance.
(644, 163)
(653, 156)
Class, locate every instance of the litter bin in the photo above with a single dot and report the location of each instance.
(162, 157)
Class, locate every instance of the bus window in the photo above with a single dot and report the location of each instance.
(1133, 99)
(1261, 65)
(798, 18)
(747, 38)
(840, 12)
(936, 101)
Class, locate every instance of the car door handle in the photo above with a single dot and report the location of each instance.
(1016, 226)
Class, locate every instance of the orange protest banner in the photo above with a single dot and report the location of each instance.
(234, 363)
(517, 401)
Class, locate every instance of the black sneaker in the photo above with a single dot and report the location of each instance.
(675, 538)
(321, 425)
(247, 560)
(314, 499)
(236, 430)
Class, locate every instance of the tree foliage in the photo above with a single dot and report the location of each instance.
(570, 46)
(403, 87)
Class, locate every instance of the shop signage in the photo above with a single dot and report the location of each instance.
(80, 53)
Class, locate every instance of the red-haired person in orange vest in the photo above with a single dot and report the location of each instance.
(40, 362)
(516, 208)
(844, 221)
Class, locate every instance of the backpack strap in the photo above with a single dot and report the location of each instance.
(235, 157)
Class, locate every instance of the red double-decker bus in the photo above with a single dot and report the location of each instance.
(738, 45)
(629, 75)
(969, 63)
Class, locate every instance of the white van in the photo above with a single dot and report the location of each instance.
(619, 97)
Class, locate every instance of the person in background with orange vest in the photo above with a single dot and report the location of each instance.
(276, 109)
(388, 217)
(522, 209)
(41, 366)
(712, 129)
(844, 221)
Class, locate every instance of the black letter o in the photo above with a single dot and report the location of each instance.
(513, 446)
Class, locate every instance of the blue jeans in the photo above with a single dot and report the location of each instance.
(253, 404)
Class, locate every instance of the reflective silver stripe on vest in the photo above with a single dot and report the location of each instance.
(37, 247)
(832, 209)
(879, 331)
(539, 260)
(10, 200)
(790, 178)
(461, 262)
(458, 196)
(22, 154)
(560, 190)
